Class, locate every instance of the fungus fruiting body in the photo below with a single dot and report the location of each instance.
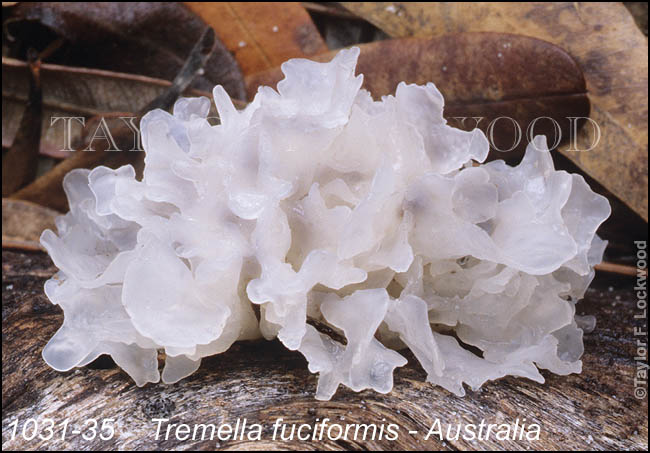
(325, 208)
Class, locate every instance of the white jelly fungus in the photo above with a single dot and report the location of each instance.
(325, 208)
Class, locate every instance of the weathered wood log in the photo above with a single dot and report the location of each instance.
(262, 381)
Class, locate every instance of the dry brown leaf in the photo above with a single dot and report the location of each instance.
(71, 91)
(47, 189)
(20, 161)
(262, 35)
(146, 38)
(488, 75)
(606, 43)
(23, 222)
(329, 9)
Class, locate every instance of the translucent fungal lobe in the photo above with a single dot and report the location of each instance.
(324, 207)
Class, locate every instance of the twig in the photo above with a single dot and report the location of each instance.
(615, 268)
(193, 66)
(25, 246)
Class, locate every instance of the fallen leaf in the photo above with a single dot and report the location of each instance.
(74, 92)
(639, 11)
(329, 9)
(151, 39)
(262, 35)
(339, 27)
(23, 222)
(20, 161)
(47, 189)
(606, 43)
(486, 75)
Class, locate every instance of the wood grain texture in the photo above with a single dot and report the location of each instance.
(606, 43)
(262, 381)
(262, 35)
